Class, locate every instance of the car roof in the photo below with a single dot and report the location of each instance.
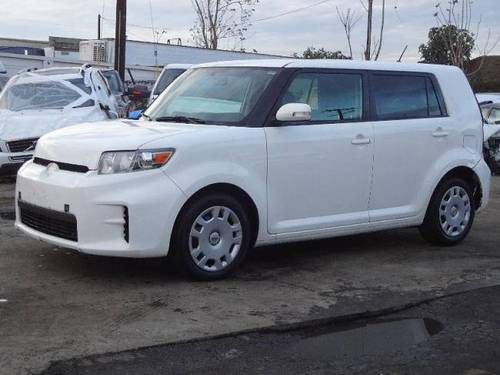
(331, 64)
(55, 71)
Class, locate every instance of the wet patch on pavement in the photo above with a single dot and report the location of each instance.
(449, 335)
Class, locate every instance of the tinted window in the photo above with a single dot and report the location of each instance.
(434, 107)
(405, 97)
(400, 97)
(332, 96)
(168, 76)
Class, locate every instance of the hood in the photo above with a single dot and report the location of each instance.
(490, 130)
(83, 144)
(34, 124)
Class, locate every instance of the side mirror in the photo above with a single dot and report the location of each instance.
(294, 112)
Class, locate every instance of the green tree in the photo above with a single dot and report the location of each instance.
(321, 53)
(448, 45)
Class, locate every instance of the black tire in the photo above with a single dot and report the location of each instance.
(431, 228)
(181, 240)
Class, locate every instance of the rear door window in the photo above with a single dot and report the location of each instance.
(399, 96)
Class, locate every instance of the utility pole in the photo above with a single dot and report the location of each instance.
(369, 31)
(98, 27)
(120, 37)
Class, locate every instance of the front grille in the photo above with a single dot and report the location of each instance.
(55, 223)
(63, 166)
(22, 145)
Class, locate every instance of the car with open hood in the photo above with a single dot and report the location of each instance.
(36, 102)
(117, 88)
(240, 154)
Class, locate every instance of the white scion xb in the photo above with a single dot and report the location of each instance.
(241, 154)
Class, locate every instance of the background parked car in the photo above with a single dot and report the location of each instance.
(488, 97)
(36, 102)
(491, 114)
(117, 89)
(168, 75)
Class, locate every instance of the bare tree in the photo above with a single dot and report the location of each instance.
(457, 19)
(369, 53)
(221, 19)
(348, 19)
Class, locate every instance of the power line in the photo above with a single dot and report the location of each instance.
(130, 24)
(291, 11)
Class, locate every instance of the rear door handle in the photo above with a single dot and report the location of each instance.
(361, 140)
(439, 133)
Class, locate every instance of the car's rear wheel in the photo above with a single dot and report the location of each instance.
(450, 213)
(212, 237)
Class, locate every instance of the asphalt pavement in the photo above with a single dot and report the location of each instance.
(454, 335)
(57, 304)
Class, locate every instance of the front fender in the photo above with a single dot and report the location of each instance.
(227, 155)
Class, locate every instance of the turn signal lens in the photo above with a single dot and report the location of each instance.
(150, 159)
(162, 157)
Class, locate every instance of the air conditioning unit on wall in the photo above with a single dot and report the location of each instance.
(94, 50)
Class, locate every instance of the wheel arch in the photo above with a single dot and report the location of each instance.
(467, 174)
(232, 190)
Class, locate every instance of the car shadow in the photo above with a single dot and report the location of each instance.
(261, 263)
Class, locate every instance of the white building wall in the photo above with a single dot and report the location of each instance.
(142, 53)
(15, 63)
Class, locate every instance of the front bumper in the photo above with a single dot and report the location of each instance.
(151, 199)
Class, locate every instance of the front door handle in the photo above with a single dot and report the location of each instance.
(440, 133)
(361, 140)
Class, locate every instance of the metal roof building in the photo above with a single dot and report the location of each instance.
(160, 54)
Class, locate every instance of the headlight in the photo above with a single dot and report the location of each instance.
(130, 161)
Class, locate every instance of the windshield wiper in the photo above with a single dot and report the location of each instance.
(189, 120)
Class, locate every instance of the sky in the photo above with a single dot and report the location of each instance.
(308, 23)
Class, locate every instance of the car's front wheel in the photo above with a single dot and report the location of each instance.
(450, 213)
(212, 237)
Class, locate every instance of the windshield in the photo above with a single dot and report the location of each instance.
(45, 95)
(213, 95)
(168, 76)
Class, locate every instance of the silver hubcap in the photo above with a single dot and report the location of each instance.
(215, 238)
(454, 211)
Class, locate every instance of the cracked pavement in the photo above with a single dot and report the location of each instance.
(61, 304)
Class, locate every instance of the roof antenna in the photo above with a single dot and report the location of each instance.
(402, 53)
